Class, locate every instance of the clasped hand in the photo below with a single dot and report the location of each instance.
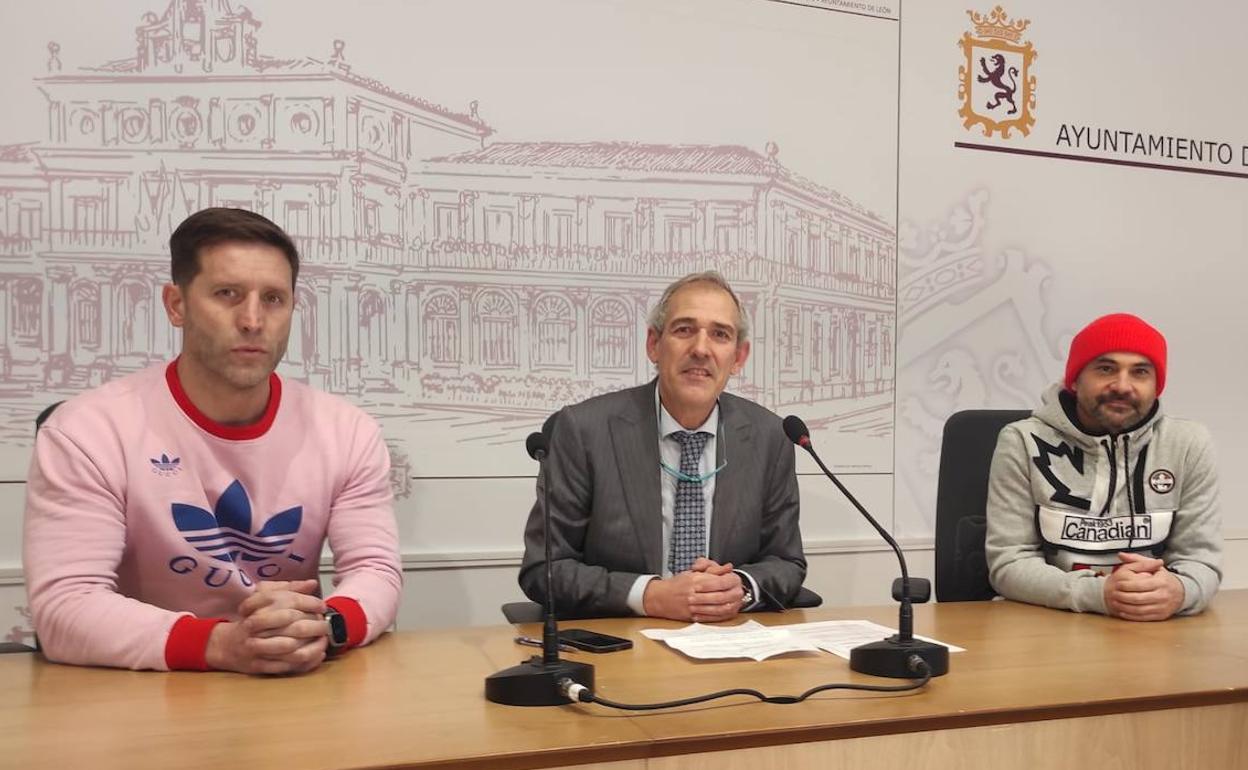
(281, 630)
(706, 593)
(1141, 588)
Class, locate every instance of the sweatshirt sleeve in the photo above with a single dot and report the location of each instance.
(1194, 551)
(1016, 565)
(364, 540)
(73, 540)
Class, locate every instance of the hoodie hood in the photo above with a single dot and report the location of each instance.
(1058, 411)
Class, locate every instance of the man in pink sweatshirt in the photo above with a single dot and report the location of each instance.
(175, 517)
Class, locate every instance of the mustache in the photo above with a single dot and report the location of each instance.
(1108, 399)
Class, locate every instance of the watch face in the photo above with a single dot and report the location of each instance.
(337, 628)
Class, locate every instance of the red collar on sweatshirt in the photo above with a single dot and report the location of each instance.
(232, 432)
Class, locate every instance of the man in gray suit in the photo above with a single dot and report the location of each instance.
(672, 499)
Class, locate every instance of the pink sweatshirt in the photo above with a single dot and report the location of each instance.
(147, 523)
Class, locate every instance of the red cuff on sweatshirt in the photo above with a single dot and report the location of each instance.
(353, 613)
(187, 644)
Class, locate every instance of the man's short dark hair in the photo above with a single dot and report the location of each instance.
(212, 226)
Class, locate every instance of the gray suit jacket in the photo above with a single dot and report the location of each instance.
(606, 512)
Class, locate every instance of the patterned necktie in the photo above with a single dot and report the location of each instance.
(689, 520)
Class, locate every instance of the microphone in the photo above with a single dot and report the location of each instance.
(538, 442)
(894, 656)
(536, 681)
(535, 445)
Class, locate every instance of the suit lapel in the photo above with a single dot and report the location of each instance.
(738, 450)
(634, 436)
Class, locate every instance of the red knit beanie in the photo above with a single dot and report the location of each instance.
(1115, 332)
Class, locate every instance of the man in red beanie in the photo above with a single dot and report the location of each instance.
(1100, 503)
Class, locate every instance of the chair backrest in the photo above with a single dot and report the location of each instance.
(961, 501)
(45, 414)
(17, 646)
(7, 647)
(522, 612)
(806, 599)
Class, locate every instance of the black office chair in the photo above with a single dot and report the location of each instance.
(45, 414)
(806, 599)
(7, 647)
(522, 612)
(961, 502)
(531, 612)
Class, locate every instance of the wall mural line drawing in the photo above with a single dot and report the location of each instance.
(973, 337)
(455, 283)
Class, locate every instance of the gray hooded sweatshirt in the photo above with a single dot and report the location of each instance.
(1062, 503)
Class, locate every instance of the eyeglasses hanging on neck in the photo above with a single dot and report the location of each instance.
(721, 450)
(686, 477)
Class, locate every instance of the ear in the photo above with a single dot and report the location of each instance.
(175, 304)
(743, 352)
(652, 344)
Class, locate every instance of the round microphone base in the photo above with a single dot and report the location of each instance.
(534, 683)
(891, 657)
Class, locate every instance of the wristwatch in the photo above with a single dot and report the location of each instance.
(337, 629)
(747, 593)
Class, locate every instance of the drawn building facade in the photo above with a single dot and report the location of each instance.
(440, 268)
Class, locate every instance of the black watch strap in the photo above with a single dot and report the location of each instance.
(337, 628)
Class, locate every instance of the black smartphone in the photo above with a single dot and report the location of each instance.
(592, 641)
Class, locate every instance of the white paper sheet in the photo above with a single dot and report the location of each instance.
(747, 640)
(752, 639)
(840, 636)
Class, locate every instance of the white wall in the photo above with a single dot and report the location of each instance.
(1001, 257)
(1035, 247)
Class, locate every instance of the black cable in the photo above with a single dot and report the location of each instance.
(580, 693)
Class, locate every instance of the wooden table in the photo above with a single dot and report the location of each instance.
(1037, 688)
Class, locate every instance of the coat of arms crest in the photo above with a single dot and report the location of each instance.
(995, 83)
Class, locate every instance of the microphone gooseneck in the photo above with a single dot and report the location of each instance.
(535, 682)
(536, 445)
(797, 432)
(884, 658)
(550, 628)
